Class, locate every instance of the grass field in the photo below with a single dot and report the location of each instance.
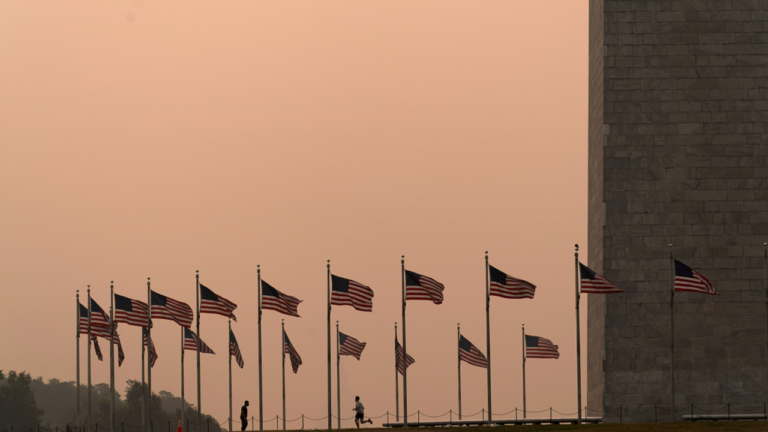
(722, 426)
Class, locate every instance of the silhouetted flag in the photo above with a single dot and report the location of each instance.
(102, 332)
(350, 346)
(273, 299)
(399, 358)
(470, 354)
(538, 347)
(418, 287)
(292, 353)
(346, 292)
(97, 348)
(234, 349)
(151, 348)
(98, 316)
(167, 308)
(129, 311)
(688, 279)
(190, 342)
(504, 285)
(593, 283)
(212, 303)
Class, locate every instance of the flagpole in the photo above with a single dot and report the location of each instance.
(282, 325)
(578, 334)
(143, 389)
(524, 405)
(405, 353)
(397, 384)
(338, 380)
(488, 332)
(77, 355)
(112, 355)
(328, 280)
(672, 327)
(89, 357)
(458, 352)
(230, 375)
(261, 398)
(149, 362)
(199, 346)
(765, 285)
(182, 379)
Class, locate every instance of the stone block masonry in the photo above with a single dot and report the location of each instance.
(678, 153)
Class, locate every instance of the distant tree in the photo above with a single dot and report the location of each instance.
(18, 406)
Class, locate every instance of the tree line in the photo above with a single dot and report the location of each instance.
(28, 403)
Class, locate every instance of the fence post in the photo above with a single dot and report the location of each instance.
(691, 411)
(483, 415)
(151, 427)
(450, 415)
(729, 411)
(515, 413)
(208, 423)
(621, 414)
(122, 427)
(97, 428)
(169, 426)
(656, 412)
(418, 417)
(550, 415)
(302, 422)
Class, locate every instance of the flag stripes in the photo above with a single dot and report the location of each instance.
(346, 292)
(129, 311)
(98, 316)
(504, 285)
(538, 347)
(350, 346)
(292, 353)
(215, 304)
(273, 299)
(150, 346)
(399, 358)
(190, 342)
(234, 349)
(167, 308)
(418, 287)
(102, 332)
(688, 279)
(470, 354)
(593, 283)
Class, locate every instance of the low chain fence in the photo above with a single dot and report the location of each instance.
(613, 414)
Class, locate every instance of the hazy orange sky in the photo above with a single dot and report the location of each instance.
(152, 139)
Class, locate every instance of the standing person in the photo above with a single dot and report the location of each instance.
(244, 416)
(360, 410)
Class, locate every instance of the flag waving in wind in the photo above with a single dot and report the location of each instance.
(98, 316)
(190, 342)
(292, 353)
(350, 346)
(418, 287)
(129, 311)
(215, 304)
(167, 308)
(504, 285)
(688, 279)
(148, 343)
(234, 349)
(273, 299)
(102, 332)
(593, 283)
(350, 293)
(470, 354)
(399, 358)
(538, 347)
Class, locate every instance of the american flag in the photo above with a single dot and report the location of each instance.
(98, 316)
(102, 332)
(190, 342)
(167, 308)
(538, 347)
(129, 311)
(234, 349)
(418, 287)
(399, 358)
(350, 293)
(292, 353)
(97, 348)
(151, 346)
(593, 283)
(215, 304)
(688, 279)
(275, 300)
(350, 346)
(470, 354)
(504, 285)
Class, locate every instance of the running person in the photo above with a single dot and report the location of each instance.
(360, 413)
